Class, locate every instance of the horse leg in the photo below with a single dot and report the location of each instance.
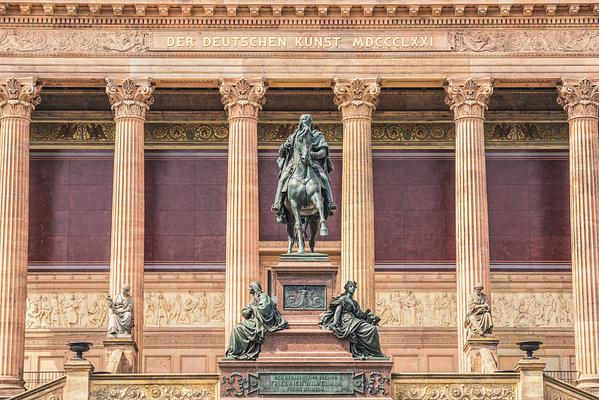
(290, 235)
(313, 229)
(319, 202)
(295, 209)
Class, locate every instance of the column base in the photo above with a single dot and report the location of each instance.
(481, 354)
(11, 386)
(589, 383)
(121, 355)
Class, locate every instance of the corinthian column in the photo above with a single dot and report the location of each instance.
(468, 102)
(243, 99)
(580, 99)
(18, 97)
(130, 99)
(357, 99)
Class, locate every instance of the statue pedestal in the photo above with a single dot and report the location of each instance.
(481, 353)
(305, 361)
(303, 286)
(120, 355)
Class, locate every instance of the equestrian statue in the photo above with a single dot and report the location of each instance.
(304, 196)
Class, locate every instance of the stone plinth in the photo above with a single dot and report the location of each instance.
(305, 379)
(481, 354)
(531, 378)
(121, 355)
(77, 385)
(303, 286)
(302, 343)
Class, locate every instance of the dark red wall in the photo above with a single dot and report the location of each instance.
(70, 203)
(186, 198)
(268, 173)
(415, 207)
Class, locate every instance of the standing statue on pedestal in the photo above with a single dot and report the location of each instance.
(304, 194)
(260, 316)
(120, 321)
(347, 321)
(478, 320)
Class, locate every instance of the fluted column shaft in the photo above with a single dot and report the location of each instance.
(580, 99)
(130, 100)
(468, 102)
(242, 99)
(357, 99)
(18, 97)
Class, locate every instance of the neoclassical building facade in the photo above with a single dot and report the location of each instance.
(138, 146)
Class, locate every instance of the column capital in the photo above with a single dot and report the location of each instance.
(356, 98)
(579, 97)
(19, 96)
(243, 97)
(130, 97)
(468, 97)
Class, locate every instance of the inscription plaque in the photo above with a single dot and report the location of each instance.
(304, 297)
(306, 383)
(394, 41)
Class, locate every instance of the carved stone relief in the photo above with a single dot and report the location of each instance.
(416, 309)
(547, 309)
(66, 310)
(185, 309)
(61, 310)
(457, 391)
(510, 309)
(270, 132)
(124, 391)
(71, 40)
(525, 41)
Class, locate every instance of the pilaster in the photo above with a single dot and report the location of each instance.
(243, 99)
(580, 99)
(468, 99)
(18, 98)
(130, 99)
(357, 100)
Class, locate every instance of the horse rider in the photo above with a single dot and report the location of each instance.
(319, 154)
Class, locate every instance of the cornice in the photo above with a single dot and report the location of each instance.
(319, 11)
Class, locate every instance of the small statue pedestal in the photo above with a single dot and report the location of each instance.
(305, 361)
(120, 355)
(481, 353)
(303, 286)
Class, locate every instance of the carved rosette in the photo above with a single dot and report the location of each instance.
(580, 98)
(356, 98)
(130, 97)
(468, 98)
(19, 96)
(243, 98)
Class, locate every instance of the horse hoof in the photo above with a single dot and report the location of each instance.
(324, 231)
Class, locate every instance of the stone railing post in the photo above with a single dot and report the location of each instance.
(130, 99)
(357, 100)
(531, 385)
(468, 101)
(243, 99)
(18, 97)
(78, 379)
(580, 99)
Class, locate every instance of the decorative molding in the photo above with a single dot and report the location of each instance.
(184, 309)
(457, 391)
(525, 41)
(580, 98)
(304, 297)
(275, 133)
(26, 40)
(124, 391)
(468, 98)
(18, 97)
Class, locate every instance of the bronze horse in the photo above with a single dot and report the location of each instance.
(304, 202)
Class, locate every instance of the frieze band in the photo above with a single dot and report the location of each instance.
(217, 132)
